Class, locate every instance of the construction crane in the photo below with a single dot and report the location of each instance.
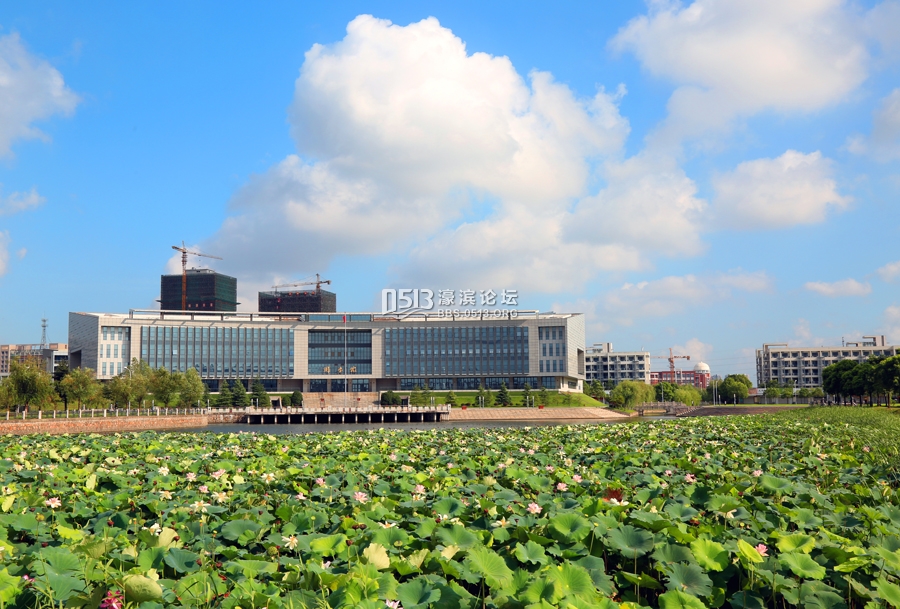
(184, 254)
(318, 283)
(672, 357)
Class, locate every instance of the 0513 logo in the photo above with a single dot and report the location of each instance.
(406, 300)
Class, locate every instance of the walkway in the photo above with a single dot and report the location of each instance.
(532, 414)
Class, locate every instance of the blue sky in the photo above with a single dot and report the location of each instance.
(707, 176)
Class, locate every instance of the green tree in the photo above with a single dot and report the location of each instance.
(889, 373)
(503, 397)
(665, 391)
(526, 395)
(117, 391)
(287, 400)
(30, 383)
(138, 375)
(164, 385)
(297, 398)
(835, 378)
(80, 386)
(687, 395)
(259, 394)
(451, 399)
(631, 393)
(543, 397)
(426, 395)
(415, 397)
(734, 388)
(207, 397)
(389, 398)
(191, 388)
(225, 397)
(596, 390)
(239, 396)
(787, 389)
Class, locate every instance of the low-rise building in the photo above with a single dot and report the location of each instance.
(803, 366)
(610, 368)
(50, 355)
(699, 377)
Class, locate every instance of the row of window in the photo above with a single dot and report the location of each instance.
(340, 337)
(114, 368)
(551, 333)
(557, 365)
(220, 352)
(843, 354)
(112, 351)
(474, 383)
(619, 358)
(115, 333)
(339, 385)
(549, 347)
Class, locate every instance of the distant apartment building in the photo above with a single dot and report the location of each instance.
(50, 355)
(699, 377)
(803, 365)
(610, 368)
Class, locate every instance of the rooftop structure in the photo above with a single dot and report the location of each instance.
(207, 290)
(298, 301)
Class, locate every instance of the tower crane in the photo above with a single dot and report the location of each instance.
(672, 357)
(318, 283)
(184, 254)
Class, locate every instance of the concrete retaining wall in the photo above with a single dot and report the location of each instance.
(102, 424)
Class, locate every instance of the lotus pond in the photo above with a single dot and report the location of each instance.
(796, 509)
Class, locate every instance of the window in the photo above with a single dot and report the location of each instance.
(104, 333)
(119, 368)
(542, 365)
(104, 368)
(116, 351)
(554, 365)
(107, 350)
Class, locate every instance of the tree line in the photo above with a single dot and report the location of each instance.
(876, 379)
(29, 385)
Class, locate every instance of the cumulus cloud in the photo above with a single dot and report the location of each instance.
(21, 253)
(673, 294)
(890, 271)
(409, 143)
(30, 90)
(844, 287)
(794, 188)
(892, 324)
(732, 59)
(4, 252)
(697, 349)
(884, 142)
(20, 201)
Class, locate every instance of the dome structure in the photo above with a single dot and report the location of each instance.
(701, 367)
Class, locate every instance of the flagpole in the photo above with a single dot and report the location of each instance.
(345, 360)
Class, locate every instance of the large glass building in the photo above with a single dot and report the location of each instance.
(356, 352)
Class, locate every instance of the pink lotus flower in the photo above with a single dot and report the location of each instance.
(577, 478)
(361, 496)
(562, 486)
(203, 488)
(534, 508)
(112, 600)
(762, 549)
(320, 481)
(549, 468)
(757, 473)
(393, 457)
(521, 450)
(284, 449)
(690, 478)
(530, 451)
(53, 503)
(866, 449)
(191, 476)
(420, 490)
(668, 472)
(218, 473)
(299, 496)
(393, 604)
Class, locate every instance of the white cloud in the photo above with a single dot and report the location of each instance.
(884, 142)
(794, 188)
(673, 294)
(20, 201)
(892, 324)
(30, 90)
(731, 58)
(4, 252)
(697, 349)
(21, 253)
(408, 143)
(890, 271)
(844, 287)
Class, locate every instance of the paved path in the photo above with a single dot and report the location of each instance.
(532, 414)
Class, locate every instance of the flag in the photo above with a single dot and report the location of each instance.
(345, 319)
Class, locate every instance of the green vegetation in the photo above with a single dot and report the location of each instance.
(794, 509)
(877, 379)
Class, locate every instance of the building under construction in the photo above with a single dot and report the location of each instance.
(207, 290)
(309, 301)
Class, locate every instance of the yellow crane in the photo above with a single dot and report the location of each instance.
(184, 254)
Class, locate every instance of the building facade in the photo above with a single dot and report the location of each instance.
(339, 352)
(610, 368)
(802, 366)
(699, 377)
(207, 290)
(310, 301)
(50, 355)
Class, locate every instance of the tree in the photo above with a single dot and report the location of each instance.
(543, 397)
(451, 399)
(239, 397)
(426, 395)
(80, 386)
(415, 397)
(138, 375)
(835, 378)
(206, 399)
(225, 397)
(787, 389)
(389, 398)
(632, 393)
(889, 373)
(164, 385)
(687, 395)
(526, 395)
(503, 396)
(117, 391)
(734, 388)
(297, 398)
(29, 382)
(259, 394)
(287, 400)
(665, 391)
(595, 390)
(191, 388)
